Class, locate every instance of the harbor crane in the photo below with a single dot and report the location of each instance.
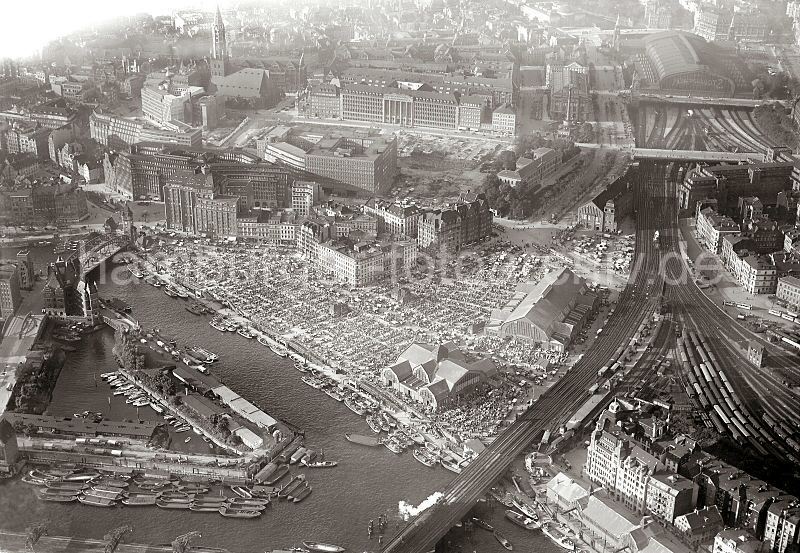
(181, 544)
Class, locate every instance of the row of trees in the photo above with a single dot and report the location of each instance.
(516, 203)
(127, 351)
(35, 382)
(775, 122)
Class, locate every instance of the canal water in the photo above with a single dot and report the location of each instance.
(368, 481)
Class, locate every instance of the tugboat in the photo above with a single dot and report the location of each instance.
(522, 521)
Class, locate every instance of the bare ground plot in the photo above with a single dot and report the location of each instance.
(438, 167)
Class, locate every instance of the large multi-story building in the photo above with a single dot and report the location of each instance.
(712, 227)
(193, 204)
(497, 91)
(728, 182)
(452, 226)
(394, 218)
(10, 298)
(27, 274)
(120, 132)
(782, 527)
(27, 137)
(278, 227)
(670, 495)
(732, 540)
(788, 290)
(305, 195)
(61, 203)
(718, 23)
(323, 101)
(366, 163)
(358, 263)
(569, 90)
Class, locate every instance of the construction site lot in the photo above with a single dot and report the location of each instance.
(439, 167)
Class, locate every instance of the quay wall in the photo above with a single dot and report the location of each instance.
(179, 465)
(14, 542)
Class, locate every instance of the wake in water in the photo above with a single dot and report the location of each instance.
(407, 510)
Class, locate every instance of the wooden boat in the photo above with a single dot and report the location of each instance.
(322, 547)
(173, 504)
(204, 508)
(295, 483)
(480, 523)
(139, 499)
(95, 501)
(297, 455)
(503, 540)
(276, 476)
(55, 491)
(57, 498)
(226, 512)
(71, 486)
(300, 495)
(101, 491)
(363, 440)
(248, 504)
(193, 489)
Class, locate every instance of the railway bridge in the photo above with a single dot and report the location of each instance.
(96, 249)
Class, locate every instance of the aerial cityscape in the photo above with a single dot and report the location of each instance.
(400, 276)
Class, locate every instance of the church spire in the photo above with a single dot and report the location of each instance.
(219, 47)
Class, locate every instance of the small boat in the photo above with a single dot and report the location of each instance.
(558, 538)
(451, 465)
(355, 406)
(503, 540)
(480, 523)
(276, 476)
(187, 440)
(320, 464)
(136, 499)
(205, 508)
(157, 408)
(248, 504)
(300, 367)
(525, 509)
(60, 485)
(193, 487)
(313, 382)
(170, 291)
(393, 446)
(293, 484)
(95, 501)
(304, 493)
(363, 440)
(418, 438)
(172, 504)
(334, 394)
(522, 520)
(57, 498)
(242, 492)
(374, 425)
(203, 354)
(233, 513)
(218, 325)
(322, 547)
(246, 333)
(424, 457)
(88, 477)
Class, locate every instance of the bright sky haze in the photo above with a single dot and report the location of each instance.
(30, 24)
